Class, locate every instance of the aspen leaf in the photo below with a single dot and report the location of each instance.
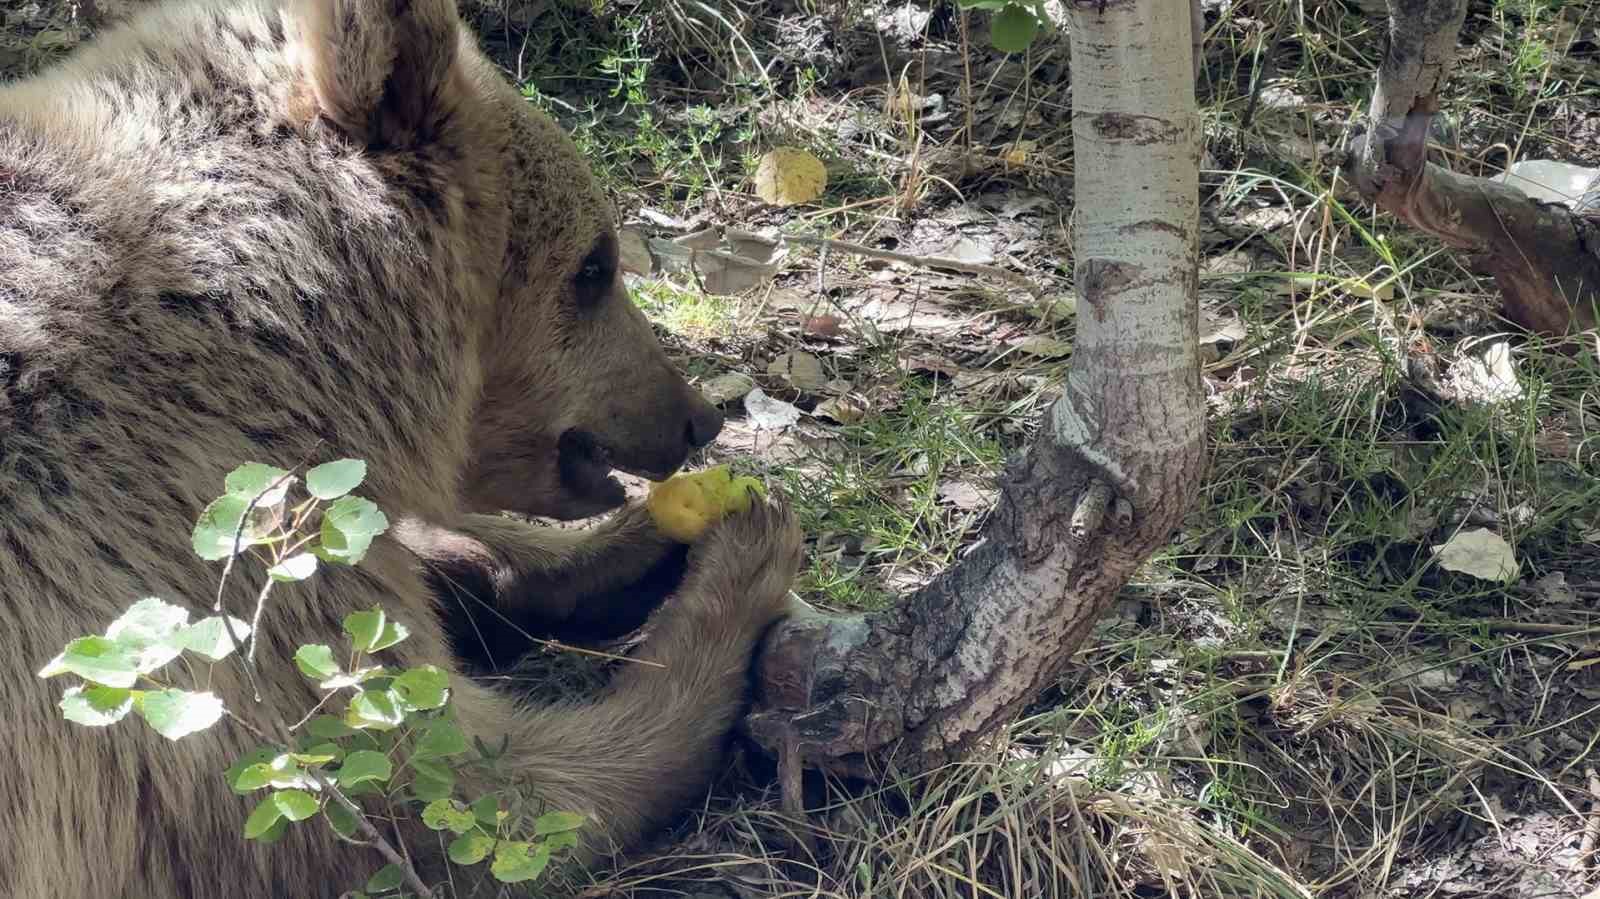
(800, 369)
(788, 176)
(1018, 152)
(1013, 29)
(727, 387)
(768, 413)
(1481, 553)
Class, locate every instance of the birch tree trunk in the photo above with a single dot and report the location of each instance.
(1544, 257)
(1104, 484)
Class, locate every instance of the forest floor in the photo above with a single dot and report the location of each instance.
(1295, 698)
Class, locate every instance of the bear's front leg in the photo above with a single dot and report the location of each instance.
(501, 582)
(649, 745)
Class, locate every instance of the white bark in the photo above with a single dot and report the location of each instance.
(1104, 484)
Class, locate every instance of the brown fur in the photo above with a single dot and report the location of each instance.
(230, 230)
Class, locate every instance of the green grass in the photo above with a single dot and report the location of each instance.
(885, 492)
(687, 312)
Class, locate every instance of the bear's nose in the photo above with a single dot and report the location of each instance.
(705, 421)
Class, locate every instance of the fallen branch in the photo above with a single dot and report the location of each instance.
(944, 262)
(722, 248)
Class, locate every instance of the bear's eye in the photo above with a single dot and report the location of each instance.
(597, 272)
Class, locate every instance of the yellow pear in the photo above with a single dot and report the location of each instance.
(684, 505)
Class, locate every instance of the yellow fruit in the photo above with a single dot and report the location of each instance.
(685, 505)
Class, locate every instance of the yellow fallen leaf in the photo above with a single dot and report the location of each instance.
(1017, 153)
(788, 176)
(685, 505)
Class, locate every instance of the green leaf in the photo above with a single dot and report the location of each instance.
(424, 687)
(297, 567)
(364, 628)
(316, 661)
(432, 780)
(564, 840)
(434, 813)
(332, 480)
(558, 822)
(340, 819)
(95, 659)
(147, 631)
(348, 528)
(327, 727)
(275, 832)
(372, 630)
(376, 709)
(209, 637)
(471, 848)
(252, 777)
(441, 740)
(393, 632)
(252, 480)
(214, 531)
(1013, 29)
(518, 862)
(323, 753)
(296, 805)
(285, 773)
(357, 515)
(388, 877)
(175, 714)
(447, 814)
(265, 815)
(96, 706)
(487, 811)
(364, 765)
(259, 756)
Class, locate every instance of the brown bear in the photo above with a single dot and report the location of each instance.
(277, 231)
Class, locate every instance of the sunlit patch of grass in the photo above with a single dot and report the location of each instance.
(686, 311)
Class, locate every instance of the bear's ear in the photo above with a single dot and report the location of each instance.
(381, 70)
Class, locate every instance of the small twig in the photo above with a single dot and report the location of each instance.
(384, 847)
(844, 246)
(1265, 52)
(971, 268)
(1090, 513)
(791, 765)
(459, 591)
(238, 533)
(255, 620)
(1591, 827)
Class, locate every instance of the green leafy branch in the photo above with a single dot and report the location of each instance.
(395, 731)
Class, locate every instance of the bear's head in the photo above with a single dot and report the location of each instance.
(575, 383)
